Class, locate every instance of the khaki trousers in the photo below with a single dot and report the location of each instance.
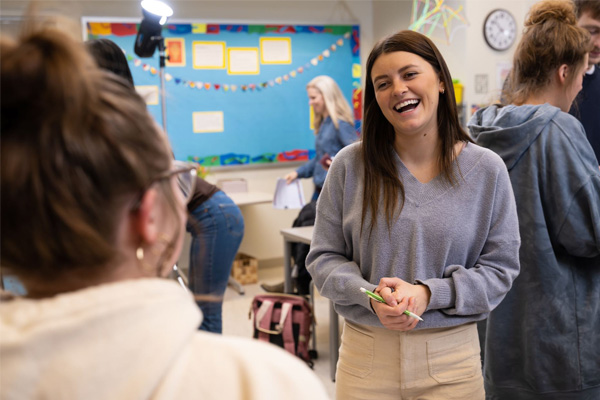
(380, 364)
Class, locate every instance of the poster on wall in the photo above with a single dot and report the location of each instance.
(236, 94)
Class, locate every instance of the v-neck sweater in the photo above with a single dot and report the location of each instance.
(460, 240)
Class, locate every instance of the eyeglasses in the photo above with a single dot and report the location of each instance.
(185, 172)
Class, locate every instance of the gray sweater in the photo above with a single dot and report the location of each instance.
(462, 242)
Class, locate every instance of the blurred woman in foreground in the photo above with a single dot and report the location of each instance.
(93, 217)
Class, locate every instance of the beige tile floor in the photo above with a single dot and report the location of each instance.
(236, 322)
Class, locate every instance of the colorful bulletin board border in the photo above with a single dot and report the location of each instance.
(201, 85)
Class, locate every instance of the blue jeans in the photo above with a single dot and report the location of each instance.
(217, 229)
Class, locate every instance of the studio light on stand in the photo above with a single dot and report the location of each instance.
(150, 37)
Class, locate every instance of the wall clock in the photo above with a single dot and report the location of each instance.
(500, 29)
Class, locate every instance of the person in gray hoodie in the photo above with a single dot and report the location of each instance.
(543, 340)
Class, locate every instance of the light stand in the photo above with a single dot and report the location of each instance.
(161, 72)
(150, 37)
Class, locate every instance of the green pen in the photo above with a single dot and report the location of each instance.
(380, 299)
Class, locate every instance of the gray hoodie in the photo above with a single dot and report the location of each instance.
(543, 340)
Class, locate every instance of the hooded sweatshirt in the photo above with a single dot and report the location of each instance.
(543, 340)
(136, 339)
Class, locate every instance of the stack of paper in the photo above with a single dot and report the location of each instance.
(288, 196)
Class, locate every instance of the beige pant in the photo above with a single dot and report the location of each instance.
(380, 364)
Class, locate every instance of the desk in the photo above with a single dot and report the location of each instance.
(303, 234)
(246, 199)
(249, 198)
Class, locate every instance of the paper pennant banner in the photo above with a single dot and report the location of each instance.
(208, 29)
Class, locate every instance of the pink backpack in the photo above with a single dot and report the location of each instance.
(284, 320)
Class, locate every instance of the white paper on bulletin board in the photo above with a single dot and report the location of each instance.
(149, 93)
(208, 121)
(209, 55)
(243, 61)
(276, 50)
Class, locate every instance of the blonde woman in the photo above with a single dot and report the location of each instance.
(334, 129)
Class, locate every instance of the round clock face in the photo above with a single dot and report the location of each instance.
(500, 29)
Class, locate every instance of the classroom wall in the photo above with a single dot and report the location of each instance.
(467, 55)
(262, 238)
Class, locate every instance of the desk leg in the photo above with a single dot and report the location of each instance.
(287, 266)
(236, 285)
(334, 340)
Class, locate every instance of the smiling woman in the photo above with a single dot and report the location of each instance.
(387, 222)
(408, 96)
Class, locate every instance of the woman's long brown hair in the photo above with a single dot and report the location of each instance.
(377, 147)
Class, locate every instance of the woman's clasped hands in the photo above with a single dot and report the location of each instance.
(400, 296)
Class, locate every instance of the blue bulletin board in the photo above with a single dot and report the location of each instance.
(236, 94)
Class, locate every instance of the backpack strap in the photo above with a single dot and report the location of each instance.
(286, 324)
(264, 316)
(262, 320)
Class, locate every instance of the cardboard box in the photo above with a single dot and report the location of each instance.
(245, 269)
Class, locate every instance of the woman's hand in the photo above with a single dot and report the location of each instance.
(289, 178)
(404, 296)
